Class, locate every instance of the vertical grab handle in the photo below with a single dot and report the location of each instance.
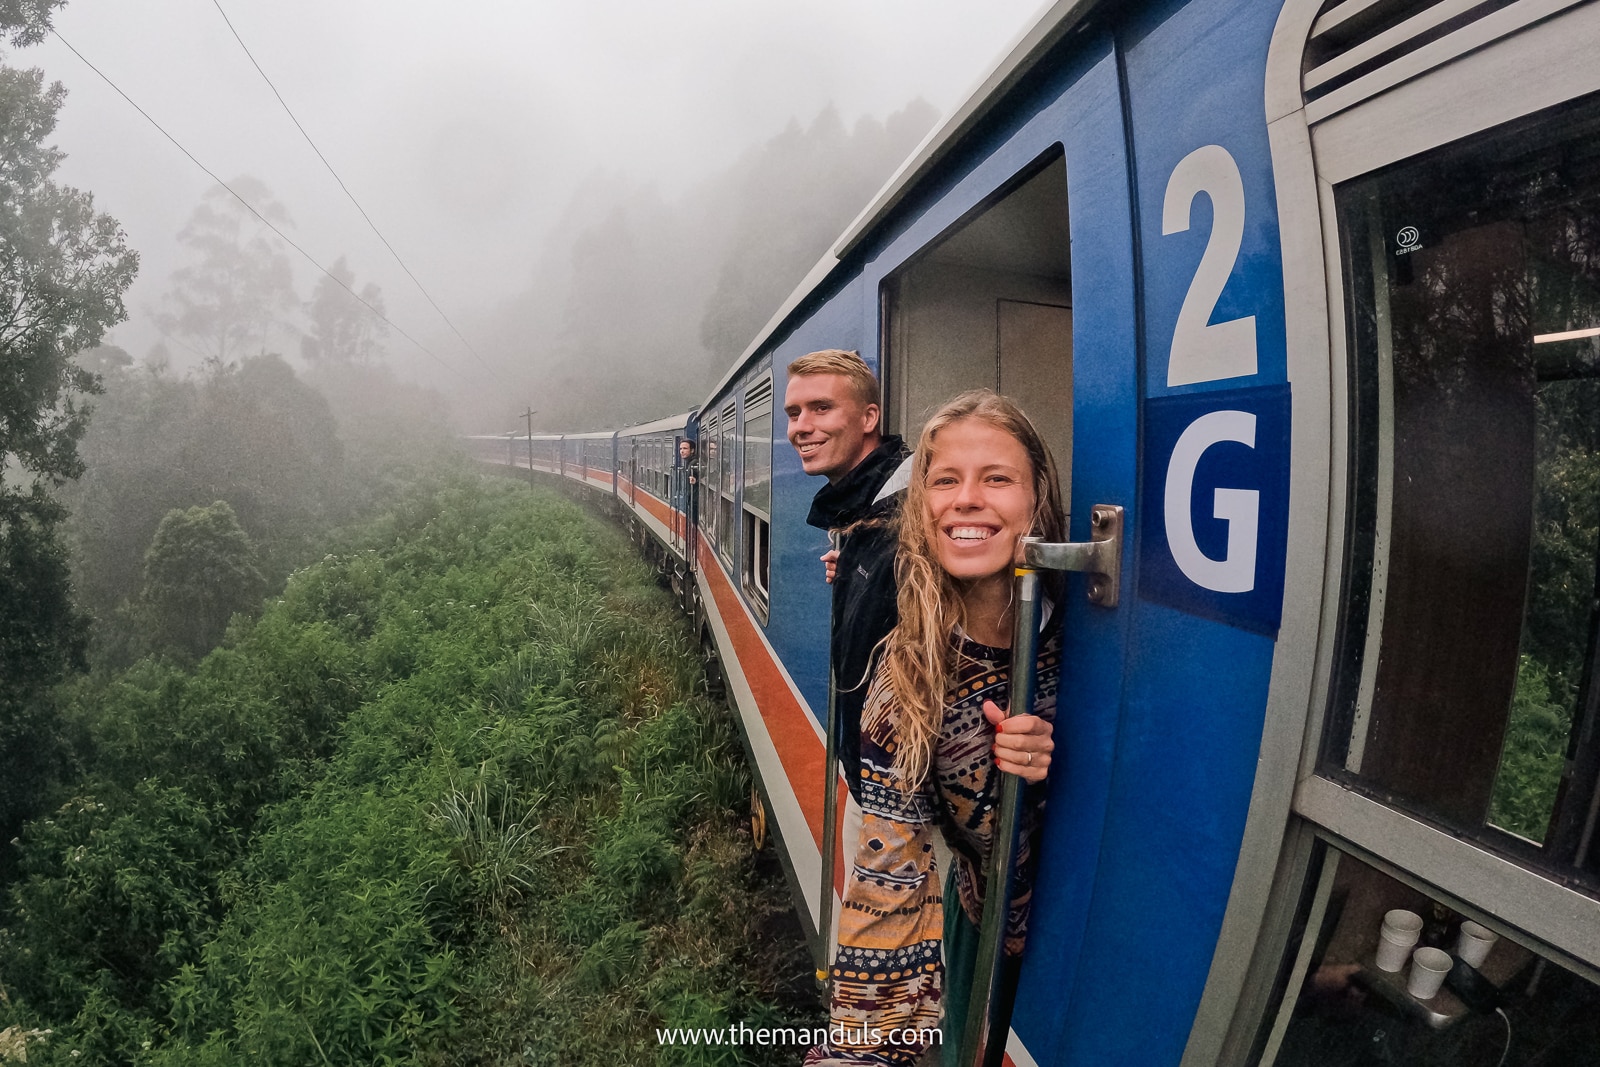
(980, 1046)
(830, 811)
(1101, 559)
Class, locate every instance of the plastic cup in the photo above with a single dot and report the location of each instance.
(1400, 931)
(1474, 942)
(1428, 968)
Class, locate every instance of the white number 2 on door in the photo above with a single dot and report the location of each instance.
(1202, 350)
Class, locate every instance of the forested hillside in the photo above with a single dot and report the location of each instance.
(456, 797)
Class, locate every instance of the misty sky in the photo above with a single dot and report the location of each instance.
(464, 129)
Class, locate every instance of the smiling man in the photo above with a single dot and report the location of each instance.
(834, 424)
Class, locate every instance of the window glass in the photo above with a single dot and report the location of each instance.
(726, 524)
(1467, 644)
(711, 438)
(728, 447)
(757, 569)
(758, 463)
(1346, 1009)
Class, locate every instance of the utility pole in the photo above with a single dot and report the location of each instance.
(529, 414)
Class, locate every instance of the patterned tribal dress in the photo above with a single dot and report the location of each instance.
(888, 975)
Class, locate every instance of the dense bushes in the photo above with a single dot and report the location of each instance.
(452, 799)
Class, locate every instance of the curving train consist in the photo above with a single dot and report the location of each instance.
(1312, 291)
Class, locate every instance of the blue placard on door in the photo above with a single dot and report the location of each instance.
(1215, 504)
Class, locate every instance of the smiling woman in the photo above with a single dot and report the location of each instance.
(934, 740)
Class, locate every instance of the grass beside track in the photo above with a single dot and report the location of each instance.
(456, 798)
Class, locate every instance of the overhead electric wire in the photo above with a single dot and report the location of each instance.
(288, 111)
(248, 206)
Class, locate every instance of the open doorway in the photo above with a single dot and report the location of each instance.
(989, 303)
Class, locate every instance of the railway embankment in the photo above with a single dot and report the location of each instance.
(456, 796)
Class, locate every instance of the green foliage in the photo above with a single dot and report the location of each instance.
(63, 270)
(26, 22)
(1561, 598)
(41, 638)
(199, 570)
(1566, 525)
(614, 955)
(1534, 751)
(454, 798)
(251, 435)
(115, 898)
(494, 842)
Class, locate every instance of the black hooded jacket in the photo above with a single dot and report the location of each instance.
(864, 609)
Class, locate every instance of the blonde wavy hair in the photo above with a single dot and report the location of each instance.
(920, 653)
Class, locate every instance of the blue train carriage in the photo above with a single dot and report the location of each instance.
(589, 460)
(499, 449)
(540, 453)
(654, 485)
(1310, 292)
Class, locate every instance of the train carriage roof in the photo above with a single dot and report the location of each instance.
(671, 422)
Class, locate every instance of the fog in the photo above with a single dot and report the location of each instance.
(505, 149)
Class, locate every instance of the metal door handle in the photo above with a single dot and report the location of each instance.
(1100, 557)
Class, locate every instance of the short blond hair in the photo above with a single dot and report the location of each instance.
(845, 364)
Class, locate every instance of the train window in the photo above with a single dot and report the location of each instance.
(711, 437)
(1364, 935)
(756, 566)
(1467, 693)
(989, 305)
(725, 485)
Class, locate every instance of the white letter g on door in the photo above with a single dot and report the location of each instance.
(1240, 508)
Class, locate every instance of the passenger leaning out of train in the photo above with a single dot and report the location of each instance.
(935, 741)
(834, 424)
(689, 464)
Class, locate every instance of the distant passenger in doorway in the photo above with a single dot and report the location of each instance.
(688, 478)
(688, 461)
(834, 412)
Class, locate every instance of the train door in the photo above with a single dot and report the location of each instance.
(1029, 289)
(633, 471)
(689, 473)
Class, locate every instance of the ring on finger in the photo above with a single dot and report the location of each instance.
(1030, 759)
